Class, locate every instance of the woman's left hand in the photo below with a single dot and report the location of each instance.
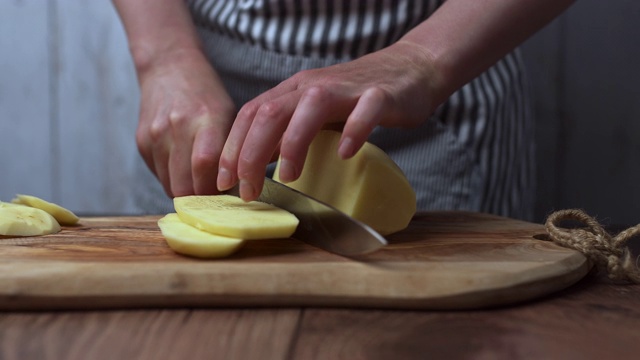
(393, 87)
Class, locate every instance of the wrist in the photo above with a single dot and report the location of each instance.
(147, 55)
(430, 70)
(157, 29)
(149, 61)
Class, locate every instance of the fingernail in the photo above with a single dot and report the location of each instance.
(346, 148)
(247, 191)
(287, 171)
(224, 179)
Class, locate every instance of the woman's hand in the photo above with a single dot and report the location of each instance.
(395, 87)
(392, 88)
(185, 117)
(186, 112)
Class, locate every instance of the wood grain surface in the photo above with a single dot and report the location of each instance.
(442, 261)
(593, 319)
(588, 321)
(157, 334)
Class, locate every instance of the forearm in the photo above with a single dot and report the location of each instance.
(465, 37)
(156, 29)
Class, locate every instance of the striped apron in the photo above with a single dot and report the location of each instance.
(474, 153)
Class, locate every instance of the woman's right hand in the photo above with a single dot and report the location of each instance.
(185, 111)
(185, 117)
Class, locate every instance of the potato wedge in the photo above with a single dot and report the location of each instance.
(369, 187)
(187, 240)
(230, 216)
(20, 220)
(62, 215)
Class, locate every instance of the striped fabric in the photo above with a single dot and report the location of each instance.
(474, 153)
(342, 29)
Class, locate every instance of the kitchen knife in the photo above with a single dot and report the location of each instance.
(321, 225)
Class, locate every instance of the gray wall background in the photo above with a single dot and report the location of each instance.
(69, 102)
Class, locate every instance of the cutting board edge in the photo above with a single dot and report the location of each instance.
(30, 298)
(482, 299)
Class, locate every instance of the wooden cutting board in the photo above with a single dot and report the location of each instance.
(444, 260)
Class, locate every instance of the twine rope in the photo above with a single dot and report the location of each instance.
(609, 254)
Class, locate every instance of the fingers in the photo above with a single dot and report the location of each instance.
(290, 123)
(183, 131)
(155, 150)
(161, 170)
(183, 152)
(228, 169)
(196, 147)
(204, 159)
(145, 148)
(317, 106)
(185, 116)
(371, 109)
(251, 143)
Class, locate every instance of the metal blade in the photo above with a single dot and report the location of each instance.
(321, 225)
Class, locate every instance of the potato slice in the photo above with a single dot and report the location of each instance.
(62, 215)
(20, 220)
(230, 216)
(369, 187)
(187, 240)
(9, 205)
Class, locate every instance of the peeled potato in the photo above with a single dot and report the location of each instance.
(20, 220)
(9, 205)
(369, 187)
(62, 215)
(187, 240)
(230, 216)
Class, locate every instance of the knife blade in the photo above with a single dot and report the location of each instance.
(321, 225)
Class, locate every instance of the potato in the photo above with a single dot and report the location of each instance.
(230, 216)
(369, 187)
(9, 205)
(62, 215)
(187, 240)
(20, 220)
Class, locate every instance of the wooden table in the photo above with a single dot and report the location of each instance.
(593, 319)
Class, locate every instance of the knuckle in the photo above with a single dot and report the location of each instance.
(158, 129)
(271, 110)
(378, 93)
(317, 94)
(203, 162)
(177, 118)
(249, 109)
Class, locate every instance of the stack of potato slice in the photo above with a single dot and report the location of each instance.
(214, 226)
(28, 215)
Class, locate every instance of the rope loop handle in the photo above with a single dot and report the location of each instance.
(609, 254)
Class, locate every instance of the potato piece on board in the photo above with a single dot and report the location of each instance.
(8, 204)
(20, 220)
(187, 240)
(369, 187)
(62, 215)
(230, 216)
